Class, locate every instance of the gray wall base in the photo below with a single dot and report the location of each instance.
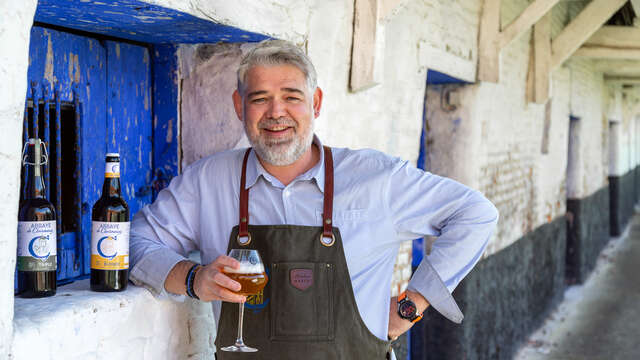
(623, 195)
(504, 299)
(587, 233)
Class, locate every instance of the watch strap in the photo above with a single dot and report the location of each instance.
(189, 281)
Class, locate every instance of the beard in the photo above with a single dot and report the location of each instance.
(281, 152)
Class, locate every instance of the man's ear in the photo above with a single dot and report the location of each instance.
(237, 104)
(317, 102)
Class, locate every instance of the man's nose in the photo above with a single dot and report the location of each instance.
(277, 109)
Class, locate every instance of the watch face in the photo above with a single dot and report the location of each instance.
(407, 309)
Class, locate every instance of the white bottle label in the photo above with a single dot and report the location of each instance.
(37, 245)
(110, 245)
(112, 170)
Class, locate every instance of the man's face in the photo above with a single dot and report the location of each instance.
(278, 111)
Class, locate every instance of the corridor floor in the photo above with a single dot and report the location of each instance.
(601, 318)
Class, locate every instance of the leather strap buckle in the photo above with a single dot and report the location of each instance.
(244, 243)
(326, 240)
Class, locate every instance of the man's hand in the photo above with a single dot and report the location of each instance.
(398, 325)
(210, 283)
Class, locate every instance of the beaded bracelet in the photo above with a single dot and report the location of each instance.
(191, 275)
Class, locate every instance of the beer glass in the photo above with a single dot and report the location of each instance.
(252, 279)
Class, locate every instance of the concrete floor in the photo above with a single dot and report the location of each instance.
(600, 319)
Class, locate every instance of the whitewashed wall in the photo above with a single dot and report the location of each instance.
(15, 23)
(80, 324)
(494, 140)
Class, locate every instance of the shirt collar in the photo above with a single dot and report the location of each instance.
(255, 170)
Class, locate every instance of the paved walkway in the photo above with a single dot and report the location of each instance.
(600, 319)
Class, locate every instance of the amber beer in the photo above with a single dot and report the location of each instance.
(110, 233)
(252, 278)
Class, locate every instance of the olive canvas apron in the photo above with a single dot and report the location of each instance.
(307, 309)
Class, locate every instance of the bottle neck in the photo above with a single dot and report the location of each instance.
(35, 184)
(111, 187)
(33, 165)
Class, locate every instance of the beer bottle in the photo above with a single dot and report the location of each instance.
(37, 260)
(110, 233)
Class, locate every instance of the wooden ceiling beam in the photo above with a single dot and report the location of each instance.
(604, 52)
(489, 42)
(617, 67)
(622, 80)
(580, 29)
(368, 41)
(534, 12)
(615, 36)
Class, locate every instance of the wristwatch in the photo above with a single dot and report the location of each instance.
(407, 309)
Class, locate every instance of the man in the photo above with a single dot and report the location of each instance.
(328, 242)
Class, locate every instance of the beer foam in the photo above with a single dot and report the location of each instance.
(245, 269)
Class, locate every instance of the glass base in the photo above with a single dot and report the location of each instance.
(239, 348)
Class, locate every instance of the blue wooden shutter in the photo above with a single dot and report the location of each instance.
(92, 97)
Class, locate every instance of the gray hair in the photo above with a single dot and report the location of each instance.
(277, 52)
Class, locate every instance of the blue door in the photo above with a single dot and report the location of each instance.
(88, 97)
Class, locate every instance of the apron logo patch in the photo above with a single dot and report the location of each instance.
(301, 279)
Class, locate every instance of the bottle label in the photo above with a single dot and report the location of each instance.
(37, 242)
(110, 245)
(112, 170)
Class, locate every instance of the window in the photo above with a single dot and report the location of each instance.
(89, 96)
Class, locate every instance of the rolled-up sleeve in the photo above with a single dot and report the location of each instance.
(163, 233)
(462, 219)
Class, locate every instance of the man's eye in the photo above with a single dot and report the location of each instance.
(258, 100)
(293, 98)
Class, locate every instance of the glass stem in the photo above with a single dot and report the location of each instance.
(239, 341)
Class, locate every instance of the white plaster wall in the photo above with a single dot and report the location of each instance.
(208, 121)
(493, 141)
(588, 102)
(628, 129)
(622, 115)
(15, 24)
(283, 19)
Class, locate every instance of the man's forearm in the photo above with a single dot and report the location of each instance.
(175, 282)
(421, 303)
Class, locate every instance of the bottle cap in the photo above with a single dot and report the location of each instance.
(113, 155)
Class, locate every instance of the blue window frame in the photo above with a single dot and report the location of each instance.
(89, 96)
(105, 76)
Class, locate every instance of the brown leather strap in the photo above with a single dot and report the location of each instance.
(327, 213)
(243, 230)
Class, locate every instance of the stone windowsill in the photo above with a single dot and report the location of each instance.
(80, 324)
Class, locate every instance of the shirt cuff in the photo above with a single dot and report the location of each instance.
(428, 283)
(152, 271)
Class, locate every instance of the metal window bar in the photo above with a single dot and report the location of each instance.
(79, 248)
(46, 95)
(58, 160)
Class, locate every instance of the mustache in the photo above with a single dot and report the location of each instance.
(267, 123)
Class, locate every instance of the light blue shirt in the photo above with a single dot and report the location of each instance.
(379, 202)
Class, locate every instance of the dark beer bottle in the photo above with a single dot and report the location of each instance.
(37, 255)
(110, 233)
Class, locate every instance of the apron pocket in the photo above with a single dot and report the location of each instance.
(302, 301)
